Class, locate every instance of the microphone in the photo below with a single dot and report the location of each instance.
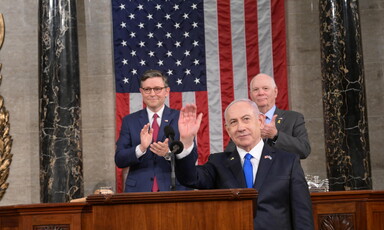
(175, 146)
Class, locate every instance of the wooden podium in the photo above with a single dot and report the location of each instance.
(219, 209)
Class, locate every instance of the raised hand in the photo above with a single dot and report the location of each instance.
(189, 124)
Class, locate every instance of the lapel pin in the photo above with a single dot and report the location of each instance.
(268, 157)
(232, 158)
(279, 121)
(166, 120)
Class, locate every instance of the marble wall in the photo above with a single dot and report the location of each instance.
(19, 88)
(372, 30)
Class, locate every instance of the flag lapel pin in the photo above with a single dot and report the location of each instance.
(268, 157)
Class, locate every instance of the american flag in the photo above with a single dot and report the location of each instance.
(208, 49)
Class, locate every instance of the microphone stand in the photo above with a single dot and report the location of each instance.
(173, 175)
(176, 147)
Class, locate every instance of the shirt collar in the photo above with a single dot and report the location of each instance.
(255, 152)
(269, 114)
(159, 113)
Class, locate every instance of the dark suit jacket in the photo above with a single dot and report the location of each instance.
(283, 202)
(293, 136)
(143, 170)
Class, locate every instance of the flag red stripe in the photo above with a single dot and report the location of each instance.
(122, 109)
(203, 133)
(252, 39)
(279, 52)
(225, 54)
(175, 100)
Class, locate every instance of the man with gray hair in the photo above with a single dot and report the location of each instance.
(283, 201)
(283, 129)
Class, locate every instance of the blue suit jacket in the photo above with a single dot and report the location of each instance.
(143, 170)
(283, 201)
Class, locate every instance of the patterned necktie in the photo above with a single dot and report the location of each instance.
(155, 127)
(267, 120)
(248, 171)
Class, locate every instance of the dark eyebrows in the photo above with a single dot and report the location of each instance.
(246, 115)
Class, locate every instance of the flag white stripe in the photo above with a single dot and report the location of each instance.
(135, 102)
(265, 36)
(213, 76)
(189, 98)
(239, 57)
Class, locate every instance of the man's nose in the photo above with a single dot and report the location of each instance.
(240, 127)
(261, 92)
(152, 92)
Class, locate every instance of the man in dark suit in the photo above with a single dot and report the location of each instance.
(283, 129)
(283, 201)
(137, 146)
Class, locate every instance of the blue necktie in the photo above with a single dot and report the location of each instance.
(248, 171)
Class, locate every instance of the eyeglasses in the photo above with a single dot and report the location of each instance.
(157, 90)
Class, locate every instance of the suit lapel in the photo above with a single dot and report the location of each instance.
(266, 160)
(143, 118)
(165, 120)
(234, 164)
(280, 118)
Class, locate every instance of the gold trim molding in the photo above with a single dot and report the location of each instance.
(2, 29)
(5, 137)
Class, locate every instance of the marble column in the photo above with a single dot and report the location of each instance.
(61, 166)
(344, 100)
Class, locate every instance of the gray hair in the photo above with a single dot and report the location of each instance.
(250, 102)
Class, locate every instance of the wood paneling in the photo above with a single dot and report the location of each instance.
(204, 209)
(359, 210)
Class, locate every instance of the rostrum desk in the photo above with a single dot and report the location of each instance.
(197, 210)
(219, 209)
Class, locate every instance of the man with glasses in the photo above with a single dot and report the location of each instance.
(142, 145)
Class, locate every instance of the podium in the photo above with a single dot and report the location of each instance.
(359, 209)
(219, 209)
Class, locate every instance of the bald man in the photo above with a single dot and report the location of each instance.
(283, 129)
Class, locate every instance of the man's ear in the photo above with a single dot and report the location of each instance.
(261, 120)
(167, 90)
(226, 129)
(276, 92)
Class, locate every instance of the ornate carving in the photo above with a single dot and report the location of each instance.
(5, 138)
(336, 222)
(52, 227)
